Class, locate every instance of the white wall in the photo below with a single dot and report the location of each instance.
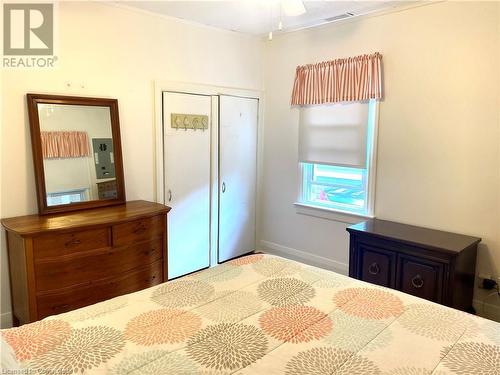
(115, 52)
(438, 148)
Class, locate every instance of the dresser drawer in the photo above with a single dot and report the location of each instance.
(76, 297)
(83, 268)
(376, 265)
(138, 230)
(420, 277)
(50, 245)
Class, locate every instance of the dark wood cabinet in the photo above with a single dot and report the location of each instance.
(435, 265)
(66, 261)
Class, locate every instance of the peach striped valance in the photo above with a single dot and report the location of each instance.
(341, 80)
(65, 144)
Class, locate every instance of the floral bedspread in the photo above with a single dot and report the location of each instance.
(260, 314)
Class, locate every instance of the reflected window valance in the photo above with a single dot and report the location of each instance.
(65, 144)
(342, 80)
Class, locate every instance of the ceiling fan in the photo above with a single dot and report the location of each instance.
(291, 8)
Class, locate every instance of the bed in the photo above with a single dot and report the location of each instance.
(260, 314)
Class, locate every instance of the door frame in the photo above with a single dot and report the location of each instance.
(158, 150)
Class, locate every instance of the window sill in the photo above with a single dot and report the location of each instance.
(330, 213)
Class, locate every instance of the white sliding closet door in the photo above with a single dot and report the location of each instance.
(238, 118)
(187, 185)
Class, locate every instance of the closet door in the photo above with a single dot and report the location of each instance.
(187, 184)
(238, 118)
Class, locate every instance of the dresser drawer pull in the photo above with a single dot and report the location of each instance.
(149, 252)
(374, 269)
(141, 228)
(417, 282)
(60, 307)
(74, 241)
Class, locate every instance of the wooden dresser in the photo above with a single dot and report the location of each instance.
(63, 262)
(431, 264)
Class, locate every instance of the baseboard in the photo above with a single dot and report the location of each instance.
(6, 320)
(487, 310)
(304, 257)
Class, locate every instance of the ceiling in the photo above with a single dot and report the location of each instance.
(258, 17)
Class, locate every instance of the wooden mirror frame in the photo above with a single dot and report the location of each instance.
(36, 144)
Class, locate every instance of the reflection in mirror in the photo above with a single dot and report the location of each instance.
(77, 148)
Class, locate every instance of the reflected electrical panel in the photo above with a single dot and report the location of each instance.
(103, 157)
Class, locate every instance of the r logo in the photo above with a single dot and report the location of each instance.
(28, 29)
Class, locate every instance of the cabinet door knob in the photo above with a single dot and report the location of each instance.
(417, 281)
(374, 269)
(223, 187)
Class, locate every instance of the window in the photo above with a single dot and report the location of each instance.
(66, 197)
(338, 174)
(334, 187)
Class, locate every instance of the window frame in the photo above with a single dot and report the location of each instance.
(83, 192)
(337, 214)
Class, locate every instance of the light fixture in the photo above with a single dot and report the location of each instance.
(270, 35)
(280, 24)
(291, 8)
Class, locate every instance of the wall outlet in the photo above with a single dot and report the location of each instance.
(481, 277)
(488, 281)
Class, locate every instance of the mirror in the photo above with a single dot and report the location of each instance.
(76, 152)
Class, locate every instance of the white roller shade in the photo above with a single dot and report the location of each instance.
(334, 134)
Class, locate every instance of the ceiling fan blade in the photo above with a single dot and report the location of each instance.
(293, 8)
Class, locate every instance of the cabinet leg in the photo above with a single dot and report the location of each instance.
(15, 321)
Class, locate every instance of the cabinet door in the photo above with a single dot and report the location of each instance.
(376, 265)
(187, 184)
(420, 277)
(237, 175)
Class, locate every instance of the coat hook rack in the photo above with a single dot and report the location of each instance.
(188, 121)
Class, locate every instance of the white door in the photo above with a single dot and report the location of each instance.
(238, 118)
(187, 184)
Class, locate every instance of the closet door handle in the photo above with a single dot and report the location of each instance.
(223, 187)
(170, 195)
